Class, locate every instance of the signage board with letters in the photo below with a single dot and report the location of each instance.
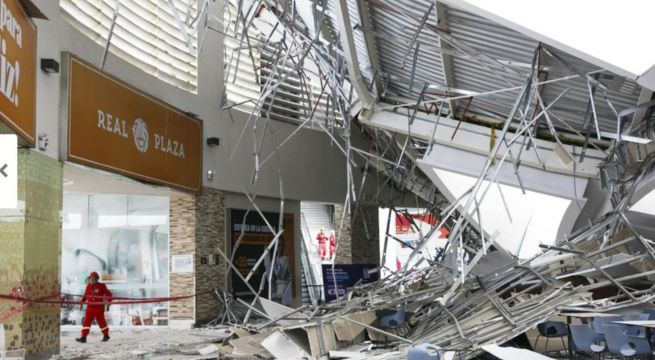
(115, 127)
(346, 276)
(252, 233)
(181, 263)
(17, 71)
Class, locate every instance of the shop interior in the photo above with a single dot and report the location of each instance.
(119, 228)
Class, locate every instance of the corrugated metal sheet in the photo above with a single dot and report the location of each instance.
(145, 34)
(573, 106)
(496, 42)
(241, 79)
(289, 102)
(505, 62)
(393, 33)
(360, 42)
(358, 35)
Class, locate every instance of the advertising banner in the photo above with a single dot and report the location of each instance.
(346, 276)
(256, 237)
(410, 225)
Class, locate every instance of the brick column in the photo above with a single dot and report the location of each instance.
(344, 236)
(182, 240)
(197, 228)
(365, 238)
(30, 248)
(210, 266)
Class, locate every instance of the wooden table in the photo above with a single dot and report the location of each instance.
(647, 324)
(582, 315)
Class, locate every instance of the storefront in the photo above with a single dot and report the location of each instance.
(123, 237)
(254, 238)
(127, 156)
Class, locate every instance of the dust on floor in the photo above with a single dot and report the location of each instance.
(151, 344)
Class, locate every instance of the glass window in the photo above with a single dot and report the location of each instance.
(123, 238)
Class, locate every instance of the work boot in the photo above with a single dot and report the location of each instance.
(105, 338)
(81, 339)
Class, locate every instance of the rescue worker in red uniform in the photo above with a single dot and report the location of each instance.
(333, 245)
(322, 239)
(95, 292)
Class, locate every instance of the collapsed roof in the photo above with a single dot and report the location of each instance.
(525, 152)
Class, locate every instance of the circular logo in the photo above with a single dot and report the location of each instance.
(140, 132)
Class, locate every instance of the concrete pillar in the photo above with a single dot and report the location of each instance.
(30, 248)
(197, 228)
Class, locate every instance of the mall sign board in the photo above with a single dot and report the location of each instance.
(114, 127)
(17, 72)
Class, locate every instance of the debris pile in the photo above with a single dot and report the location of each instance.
(493, 300)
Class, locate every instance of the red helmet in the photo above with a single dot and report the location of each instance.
(94, 274)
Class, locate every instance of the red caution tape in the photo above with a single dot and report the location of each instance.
(19, 309)
(113, 300)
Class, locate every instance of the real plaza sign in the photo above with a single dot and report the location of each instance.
(17, 70)
(117, 128)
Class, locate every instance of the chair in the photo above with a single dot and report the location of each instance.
(638, 330)
(586, 340)
(624, 345)
(552, 329)
(391, 318)
(425, 351)
(651, 316)
(598, 324)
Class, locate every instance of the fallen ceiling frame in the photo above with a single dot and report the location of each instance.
(449, 304)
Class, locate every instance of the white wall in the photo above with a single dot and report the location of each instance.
(311, 169)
